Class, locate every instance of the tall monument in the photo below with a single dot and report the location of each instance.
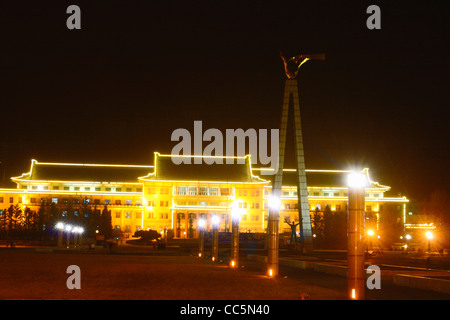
(291, 66)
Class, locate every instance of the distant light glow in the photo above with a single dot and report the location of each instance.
(429, 235)
(370, 232)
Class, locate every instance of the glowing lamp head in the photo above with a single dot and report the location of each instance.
(274, 203)
(68, 228)
(60, 226)
(232, 263)
(408, 237)
(357, 180)
(236, 214)
(215, 220)
(202, 224)
(429, 235)
(370, 232)
(80, 230)
(270, 272)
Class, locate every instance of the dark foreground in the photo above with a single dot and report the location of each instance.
(27, 274)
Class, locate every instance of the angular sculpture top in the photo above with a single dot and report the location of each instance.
(292, 64)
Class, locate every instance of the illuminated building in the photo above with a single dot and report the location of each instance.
(174, 197)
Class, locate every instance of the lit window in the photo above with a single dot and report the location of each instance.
(181, 191)
(203, 191)
(193, 191)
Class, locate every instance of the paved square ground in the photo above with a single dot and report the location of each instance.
(34, 275)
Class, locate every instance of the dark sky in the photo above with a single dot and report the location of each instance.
(114, 91)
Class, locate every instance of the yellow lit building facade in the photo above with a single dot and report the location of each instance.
(173, 197)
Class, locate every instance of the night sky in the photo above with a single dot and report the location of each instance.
(114, 91)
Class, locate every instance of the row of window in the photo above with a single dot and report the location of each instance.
(138, 215)
(76, 188)
(323, 194)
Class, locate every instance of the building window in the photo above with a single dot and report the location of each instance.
(86, 201)
(181, 191)
(118, 202)
(336, 194)
(203, 191)
(97, 188)
(129, 189)
(96, 201)
(138, 215)
(151, 190)
(214, 191)
(1, 199)
(192, 191)
(225, 191)
(138, 189)
(55, 200)
(66, 188)
(138, 202)
(338, 207)
(55, 187)
(118, 189)
(107, 202)
(117, 214)
(164, 191)
(128, 202)
(76, 188)
(87, 188)
(34, 187)
(128, 215)
(108, 189)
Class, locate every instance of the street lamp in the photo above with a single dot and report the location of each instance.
(429, 236)
(355, 229)
(201, 230)
(60, 227)
(273, 235)
(235, 218)
(67, 228)
(215, 241)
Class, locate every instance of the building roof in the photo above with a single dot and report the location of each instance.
(321, 178)
(184, 168)
(45, 171)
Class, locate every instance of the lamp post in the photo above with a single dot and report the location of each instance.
(235, 217)
(201, 232)
(68, 228)
(215, 239)
(273, 237)
(429, 236)
(355, 230)
(80, 234)
(60, 227)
